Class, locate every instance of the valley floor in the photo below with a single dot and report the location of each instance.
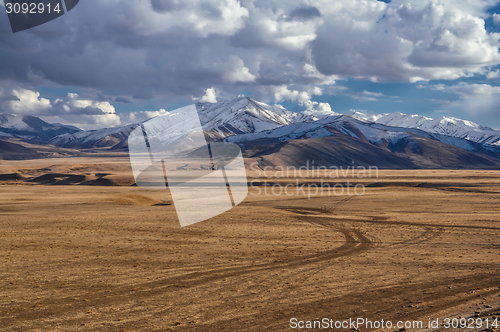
(416, 245)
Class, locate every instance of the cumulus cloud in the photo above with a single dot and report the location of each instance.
(405, 42)
(278, 50)
(282, 93)
(182, 45)
(28, 101)
(496, 19)
(136, 117)
(278, 25)
(235, 71)
(204, 17)
(81, 112)
(317, 109)
(303, 98)
(480, 101)
(493, 74)
(210, 96)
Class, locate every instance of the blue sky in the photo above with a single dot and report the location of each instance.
(109, 63)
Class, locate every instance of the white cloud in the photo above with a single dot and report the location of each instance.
(136, 117)
(316, 91)
(493, 74)
(318, 109)
(210, 96)
(269, 26)
(204, 17)
(372, 94)
(406, 42)
(477, 100)
(282, 93)
(309, 71)
(273, 50)
(364, 95)
(468, 89)
(73, 102)
(80, 112)
(152, 114)
(235, 71)
(496, 19)
(29, 102)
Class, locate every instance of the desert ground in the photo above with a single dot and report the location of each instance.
(95, 253)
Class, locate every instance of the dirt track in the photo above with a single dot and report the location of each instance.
(114, 259)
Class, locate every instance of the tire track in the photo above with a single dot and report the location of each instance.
(355, 242)
(378, 302)
(393, 222)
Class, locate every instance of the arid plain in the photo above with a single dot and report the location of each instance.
(95, 253)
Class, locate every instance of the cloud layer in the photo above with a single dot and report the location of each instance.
(130, 50)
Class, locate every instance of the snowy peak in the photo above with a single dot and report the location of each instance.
(365, 117)
(398, 119)
(9, 121)
(31, 127)
(444, 125)
(244, 115)
(452, 124)
(219, 120)
(106, 137)
(244, 119)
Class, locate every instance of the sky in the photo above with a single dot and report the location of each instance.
(113, 62)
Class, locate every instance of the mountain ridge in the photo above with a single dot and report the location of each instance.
(271, 133)
(32, 128)
(444, 125)
(219, 120)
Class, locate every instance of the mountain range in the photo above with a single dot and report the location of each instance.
(32, 128)
(445, 125)
(274, 136)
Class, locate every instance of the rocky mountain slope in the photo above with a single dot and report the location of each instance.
(345, 140)
(272, 135)
(230, 117)
(32, 128)
(445, 125)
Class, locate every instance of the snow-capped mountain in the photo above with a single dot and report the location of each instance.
(31, 127)
(107, 137)
(245, 115)
(219, 120)
(244, 119)
(445, 125)
(366, 116)
(377, 134)
(275, 135)
(343, 139)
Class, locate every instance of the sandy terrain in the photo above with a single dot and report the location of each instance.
(416, 245)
